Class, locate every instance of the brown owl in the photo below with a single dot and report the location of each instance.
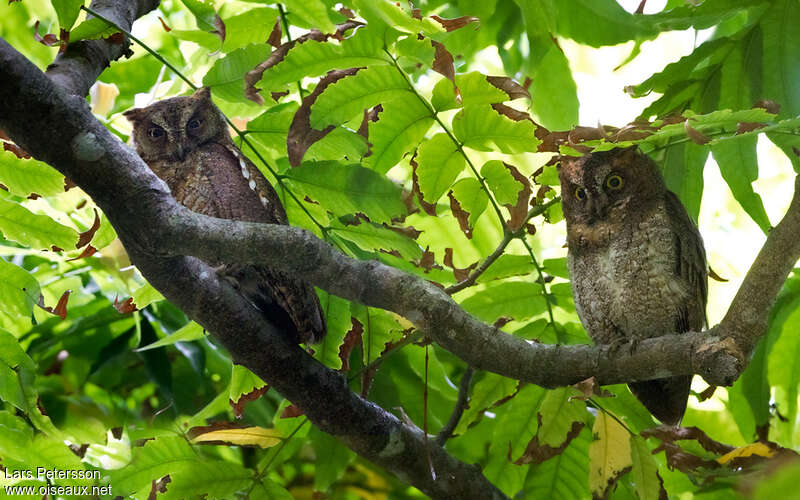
(636, 261)
(185, 141)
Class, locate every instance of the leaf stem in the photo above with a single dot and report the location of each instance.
(285, 24)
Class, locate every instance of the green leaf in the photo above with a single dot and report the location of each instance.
(214, 479)
(251, 26)
(19, 291)
(565, 476)
(374, 237)
(243, 382)
(348, 97)
(337, 320)
(204, 13)
(226, 76)
(473, 88)
(472, 198)
(487, 391)
(67, 12)
(482, 128)
(397, 15)
(644, 473)
(738, 165)
(439, 162)
(499, 179)
(312, 58)
(91, 29)
(558, 412)
(266, 489)
(348, 189)
(33, 230)
(517, 299)
(781, 44)
(158, 457)
(683, 174)
(271, 127)
(598, 23)
(313, 12)
(401, 126)
(332, 461)
(190, 331)
(508, 265)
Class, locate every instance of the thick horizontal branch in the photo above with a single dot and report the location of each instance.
(59, 129)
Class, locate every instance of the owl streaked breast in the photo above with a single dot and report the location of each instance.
(185, 141)
(636, 261)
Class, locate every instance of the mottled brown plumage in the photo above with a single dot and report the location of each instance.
(185, 141)
(636, 261)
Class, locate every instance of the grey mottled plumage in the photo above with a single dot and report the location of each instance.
(636, 261)
(186, 142)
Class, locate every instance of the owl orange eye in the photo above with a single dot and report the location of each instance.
(194, 123)
(580, 193)
(155, 132)
(614, 182)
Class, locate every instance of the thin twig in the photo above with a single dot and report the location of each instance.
(507, 238)
(461, 404)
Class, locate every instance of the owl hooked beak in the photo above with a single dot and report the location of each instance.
(180, 152)
(596, 210)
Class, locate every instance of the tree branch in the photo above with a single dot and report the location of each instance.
(59, 129)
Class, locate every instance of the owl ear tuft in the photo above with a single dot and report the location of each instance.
(134, 115)
(203, 94)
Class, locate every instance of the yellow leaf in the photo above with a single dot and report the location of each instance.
(759, 449)
(609, 453)
(245, 436)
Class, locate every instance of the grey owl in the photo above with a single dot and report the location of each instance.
(185, 141)
(636, 260)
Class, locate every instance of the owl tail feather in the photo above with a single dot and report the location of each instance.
(664, 398)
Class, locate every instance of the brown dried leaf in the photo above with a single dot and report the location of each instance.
(512, 113)
(582, 134)
(771, 106)
(707, 393)
(252, 77)
(49, 39)
(68, 184)
(370, 115)
(349, 14)
(164, 24)
(502, 321)
(301, 135)
(536, 453)
(443, 61)
(56, 249)
(696, 136)
(159, 486)
(509, 86)
(351, 339)
(85, 237)
(291, 411)
(427, 260)
(61, 307)
(669, 434)
(461, 215)
(18, 151)
(408, 231)
(590, 388)
(238, 406)
(276, 34)
(460, 274)
(457, 23)
(518, 211)
(219, 24)
(125, 307)
(430, 208)
(87, 252)
(743, 127)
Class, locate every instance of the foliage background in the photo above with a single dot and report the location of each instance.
(103, 382)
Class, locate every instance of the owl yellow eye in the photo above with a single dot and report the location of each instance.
(155, 132)
(580, 193)
(614, 182)
(194, 123)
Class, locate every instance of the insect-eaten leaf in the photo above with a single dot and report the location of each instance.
(536, 453)
(351, 339)
(301, 135)
(456, 23)
(609, 454)
(239, 404)
(125, 307)
(60, 309)
(459, 273)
